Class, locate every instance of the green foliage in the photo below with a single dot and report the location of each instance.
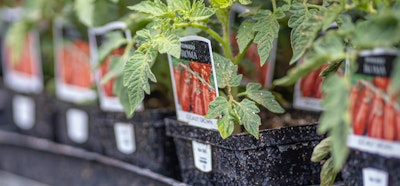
(335, 118)
(122, 92)
(322, 150)
(15, 34)
(247, 112)
(263, 97)
(113, 40)
(116, 69)
(394, 86)
(266, 28)
(305, 26)
(227, 73)
(245, 35)
(220, 107)
(328, 173)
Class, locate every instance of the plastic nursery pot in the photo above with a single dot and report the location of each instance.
(76, 126)
(33, 114)
(140, 140)
(279, 157)
(5, 110)
(363, 168)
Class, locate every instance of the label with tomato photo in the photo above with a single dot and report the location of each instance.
(375, 114)
(194, 81)
(99, 38)
(73, 73)
(22, 68)
(308, 91)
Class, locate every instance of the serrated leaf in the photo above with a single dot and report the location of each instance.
(331, 15)
(328, 49)
(267, 29)
(178, 5)
(116, 69)
(199, 11)
(298, 11)
(331, 68)
(328, 174)
(303, 35)
(168, 43)
(113, 40)
(263, 97)
(249, 118)
(143, 36)
(322, 150)
(245, 34)
(227, 73)
(334, 119)
(137, 73)
(221, 4)
(220, 107)
(122, 93)
(155, 8)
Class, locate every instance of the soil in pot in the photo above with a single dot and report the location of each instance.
(140, 140)
(280, 157)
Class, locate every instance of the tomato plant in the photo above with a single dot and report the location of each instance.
(364, 108)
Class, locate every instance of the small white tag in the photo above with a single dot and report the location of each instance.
(374, 177)
(77, 125)
(23, 112)
(125, 137)
(202, 156)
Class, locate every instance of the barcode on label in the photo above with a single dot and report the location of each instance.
(202, 156)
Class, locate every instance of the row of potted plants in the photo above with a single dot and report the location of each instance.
(220, 130)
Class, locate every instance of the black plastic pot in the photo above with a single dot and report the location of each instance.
(37, 110)
(5, 110)
(358, 161)
(76, 126)
(279, 157)
(148, 146)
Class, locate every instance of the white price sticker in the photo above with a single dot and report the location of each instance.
(202, 156)
(125, 137)
(374, 177)
(23, 112)
(77, 125)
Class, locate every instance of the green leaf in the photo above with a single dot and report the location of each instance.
(331, 15)
(221, 107)
(394, 86)
(263, 97)
(84, 10)
(155, 8)
(122, 93)
(116, 69)
(137, 73)
(245, 2)
(378, 31)
(322, 150)
(178, 5)
(328, 174)
(221, 4)
(331, 68)
(199, 11)
(113, 40)
(335, 119)
(267, 29)
(168, 43)
(16, 33)
(245, 34)
(249, 118)
(303, 34)
(227, 73)
(328, 49)
(298, 11)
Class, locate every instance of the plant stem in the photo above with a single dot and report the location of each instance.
(273, 5)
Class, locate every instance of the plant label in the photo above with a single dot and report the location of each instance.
(374, 107)
(77, 125)
(374, 177)
(73, 73)
(202, 156)
(22, 68)
(23, 112)
(194, 81)
(107, 46)
(125, 137)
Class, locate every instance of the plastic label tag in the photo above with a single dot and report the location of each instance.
(202, 156)
(374, 177)
(77, 125)
(24, 112)
(125, 137)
